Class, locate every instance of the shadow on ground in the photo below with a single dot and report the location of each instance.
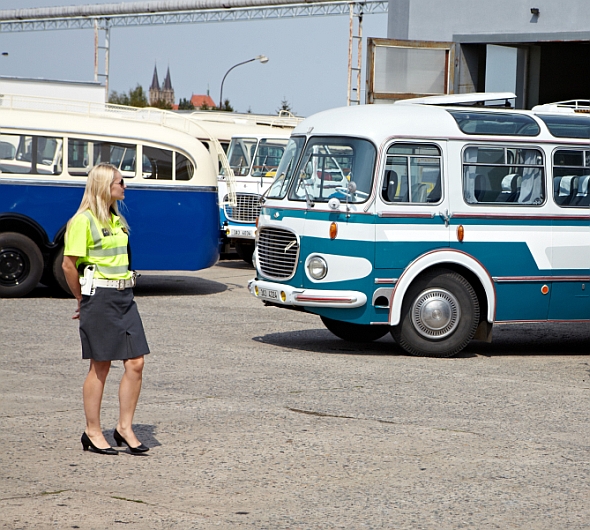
(517, 339)
(161, 285)
(236, 264)
(144, 432)
(150, 285)
(322, 341)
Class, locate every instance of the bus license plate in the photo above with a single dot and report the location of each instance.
(269, 293)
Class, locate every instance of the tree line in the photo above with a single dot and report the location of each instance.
(137, 97)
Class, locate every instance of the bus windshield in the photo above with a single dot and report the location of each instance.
(335, 167)
(268, 156)
(257, 158)
(286, 168)
(240, 154)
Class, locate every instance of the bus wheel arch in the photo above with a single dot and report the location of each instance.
(21, 264)
(461, 263)
(439, 315)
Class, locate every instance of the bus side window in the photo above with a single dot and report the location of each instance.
(31, 155)
(503, 175)
(84, 154)
(412, 174)
(571, 177)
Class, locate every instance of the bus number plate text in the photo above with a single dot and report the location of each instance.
(269, 293)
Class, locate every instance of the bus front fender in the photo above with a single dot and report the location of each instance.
(440, 258)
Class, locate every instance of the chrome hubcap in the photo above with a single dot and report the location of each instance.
(435, 313)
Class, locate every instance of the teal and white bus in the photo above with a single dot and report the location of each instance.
(432, 219)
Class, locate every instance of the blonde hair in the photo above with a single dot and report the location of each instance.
(97, 195)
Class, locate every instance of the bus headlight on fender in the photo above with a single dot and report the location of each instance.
(317, 268)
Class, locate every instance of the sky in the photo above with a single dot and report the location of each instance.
(308, 58)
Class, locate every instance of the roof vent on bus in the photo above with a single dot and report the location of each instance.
(565, 107)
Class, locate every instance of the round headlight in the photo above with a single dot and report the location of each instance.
(317, 267)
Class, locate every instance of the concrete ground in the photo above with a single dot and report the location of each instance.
(260, 418)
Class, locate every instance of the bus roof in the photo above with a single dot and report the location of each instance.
(379, 122)
(455, 119)
(144, 115)
(87, 119)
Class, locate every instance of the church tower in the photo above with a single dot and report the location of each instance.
(155, 88)
(165, 93)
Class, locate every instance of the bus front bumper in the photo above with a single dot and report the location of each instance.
(281, 294)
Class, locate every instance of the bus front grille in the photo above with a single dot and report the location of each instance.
(278, 251)
(246, 210)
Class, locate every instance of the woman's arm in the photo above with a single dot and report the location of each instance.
(71, 274)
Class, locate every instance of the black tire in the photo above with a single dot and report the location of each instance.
(440, 314)
(58, 273)
(245, 250)
(21, 265)
(355, 332)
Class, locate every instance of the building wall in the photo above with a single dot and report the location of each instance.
(441, 20)
(73, 90)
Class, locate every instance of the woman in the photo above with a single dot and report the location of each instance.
(96, 255)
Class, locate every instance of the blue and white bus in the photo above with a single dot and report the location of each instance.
(253, 160)
(47, 148)
(254, 145)
(431, 219)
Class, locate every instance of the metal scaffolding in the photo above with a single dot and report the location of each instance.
(160, 13)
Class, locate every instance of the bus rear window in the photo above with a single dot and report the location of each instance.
(157, 163)
(184, 169)
(497, 123)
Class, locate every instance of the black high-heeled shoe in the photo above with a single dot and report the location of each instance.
(120, 440)
(88, 445)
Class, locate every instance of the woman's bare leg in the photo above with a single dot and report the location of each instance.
(128, 395)
(92, 392)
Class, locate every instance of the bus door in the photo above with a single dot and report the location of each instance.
(413, 213)
(570, 252)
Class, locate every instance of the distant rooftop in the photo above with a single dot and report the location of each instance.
(52, 81)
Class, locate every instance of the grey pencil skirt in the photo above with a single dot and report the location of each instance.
(110, 326)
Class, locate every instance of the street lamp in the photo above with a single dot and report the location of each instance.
(262, 58)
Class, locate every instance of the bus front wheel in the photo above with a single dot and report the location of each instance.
(21, 265)
(354, 332)
(440, 315)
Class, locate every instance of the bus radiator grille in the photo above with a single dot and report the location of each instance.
(278, 251)
(246, 210)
